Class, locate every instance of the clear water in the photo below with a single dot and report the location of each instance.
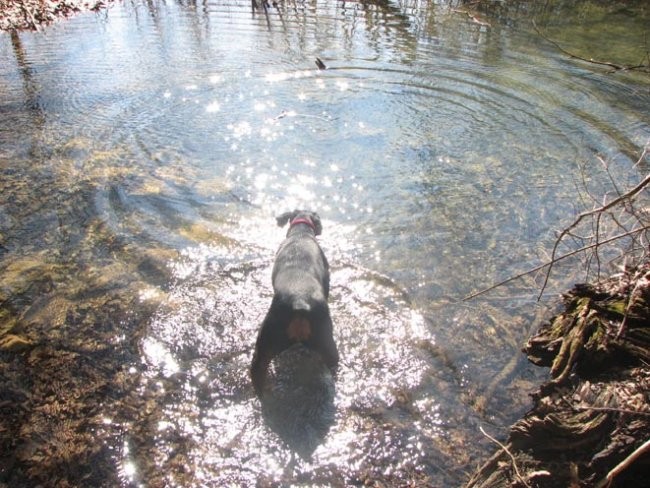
(144, 151)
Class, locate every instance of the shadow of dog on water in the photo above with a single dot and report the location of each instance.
(299, 403)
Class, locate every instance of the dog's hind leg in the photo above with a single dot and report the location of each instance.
(323, 343)
(269, 344)
(259, 367)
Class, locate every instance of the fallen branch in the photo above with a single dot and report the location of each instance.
(615, 66)
(598, 211)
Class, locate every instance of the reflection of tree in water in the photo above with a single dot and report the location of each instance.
(31, 87)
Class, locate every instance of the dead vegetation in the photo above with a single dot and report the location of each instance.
(591, 421)
(33, 14)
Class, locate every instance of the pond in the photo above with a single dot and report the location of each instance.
(144, 152)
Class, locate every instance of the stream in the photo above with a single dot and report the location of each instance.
(144, 152)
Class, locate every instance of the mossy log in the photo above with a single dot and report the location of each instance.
(591, 420)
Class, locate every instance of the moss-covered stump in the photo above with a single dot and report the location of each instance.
(590, 424)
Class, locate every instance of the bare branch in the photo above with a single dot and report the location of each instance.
(623, 465)
(555, 260)
(597, 211)
(512, 458)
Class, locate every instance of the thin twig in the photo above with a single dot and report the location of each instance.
(507, 451)
(580, 408)
(626, 196)
(31, 16)
(623, 465)
(552, 262)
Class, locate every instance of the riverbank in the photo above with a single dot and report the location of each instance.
(34, 14)
(590, 423)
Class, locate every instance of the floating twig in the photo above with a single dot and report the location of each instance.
(615, 66)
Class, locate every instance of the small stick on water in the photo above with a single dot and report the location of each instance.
(615, 66)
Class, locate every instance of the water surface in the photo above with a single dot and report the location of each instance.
(144, 151)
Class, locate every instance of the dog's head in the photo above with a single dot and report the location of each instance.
(301, 215)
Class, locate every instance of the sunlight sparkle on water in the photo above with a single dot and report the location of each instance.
(129, 469)
(261, 181)
(157, 354)
(241, 129)
(150, 293)
(283, 76)
(260, 106)
(213, 107)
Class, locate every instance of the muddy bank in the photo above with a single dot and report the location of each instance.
(34, 14)
(591, 421)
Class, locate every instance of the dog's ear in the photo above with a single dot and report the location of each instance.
(318, 226)
(285, 217)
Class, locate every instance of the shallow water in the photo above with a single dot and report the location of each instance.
(144, 152)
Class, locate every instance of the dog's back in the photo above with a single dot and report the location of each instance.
(299, 312)
(301, 271)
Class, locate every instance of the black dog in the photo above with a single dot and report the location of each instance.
(299, 312)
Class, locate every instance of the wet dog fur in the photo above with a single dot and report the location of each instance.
(299, 312)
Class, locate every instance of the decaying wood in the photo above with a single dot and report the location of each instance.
(590, 422)
(512, 458)
(623, 465)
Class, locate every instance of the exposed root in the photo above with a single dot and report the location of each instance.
(590, 422)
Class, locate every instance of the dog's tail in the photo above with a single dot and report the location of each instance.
(299, 329)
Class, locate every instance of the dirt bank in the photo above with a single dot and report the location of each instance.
(34, 14)
(590, 424)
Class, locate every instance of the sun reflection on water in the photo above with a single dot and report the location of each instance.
(199, 348)
(157, 354)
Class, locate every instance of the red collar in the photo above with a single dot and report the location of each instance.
(303, 220)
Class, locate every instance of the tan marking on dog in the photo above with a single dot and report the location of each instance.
(299, 329)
